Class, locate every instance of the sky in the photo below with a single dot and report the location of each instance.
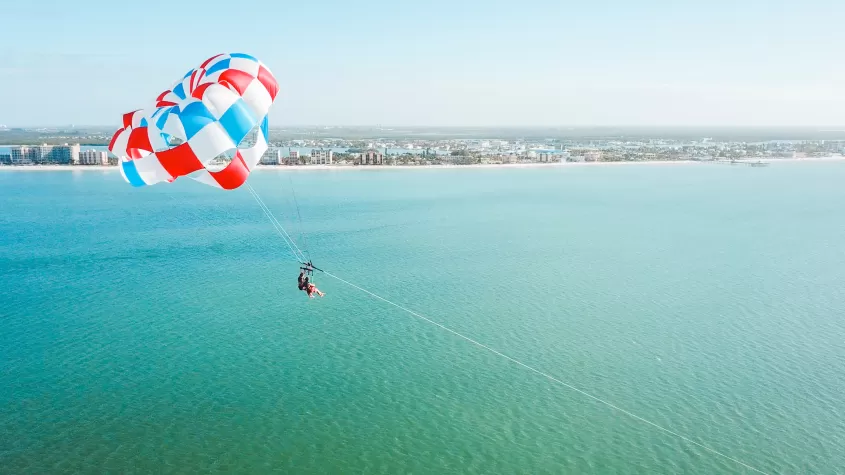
(440, 63)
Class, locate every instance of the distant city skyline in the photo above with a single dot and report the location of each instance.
(472, 63)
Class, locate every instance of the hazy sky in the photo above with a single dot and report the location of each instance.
(456, 62)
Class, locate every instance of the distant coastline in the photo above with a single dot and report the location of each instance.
(427, 152)
(282, 168)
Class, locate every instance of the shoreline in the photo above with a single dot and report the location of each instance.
(280, 168)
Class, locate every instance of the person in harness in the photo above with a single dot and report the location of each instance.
(304, 281)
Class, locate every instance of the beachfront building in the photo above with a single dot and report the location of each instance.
(321, 157)
(548, 157)
(592, 156)
(39, 154)
(45, 154)
(18, 156)
(293, 157)
(273, 156)
(584, 155)
(372, 157)
(93, 157)
(64, 154)
(23, 155)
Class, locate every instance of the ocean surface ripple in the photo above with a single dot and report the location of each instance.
(159, 330)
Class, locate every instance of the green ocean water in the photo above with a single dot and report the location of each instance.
(159, 330)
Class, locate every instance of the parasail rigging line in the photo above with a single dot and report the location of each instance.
(541, 373)
(298, 255)
(299, 215)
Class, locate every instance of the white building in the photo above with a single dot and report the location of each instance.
(45, 154)
(592, 156)
(24, 155)
(273, 156)
(321, 157)
(40, 154)
(547, 157)
(93, 157)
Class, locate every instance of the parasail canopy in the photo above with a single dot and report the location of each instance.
(210, 126)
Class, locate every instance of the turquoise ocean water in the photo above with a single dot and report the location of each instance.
(159, 330)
